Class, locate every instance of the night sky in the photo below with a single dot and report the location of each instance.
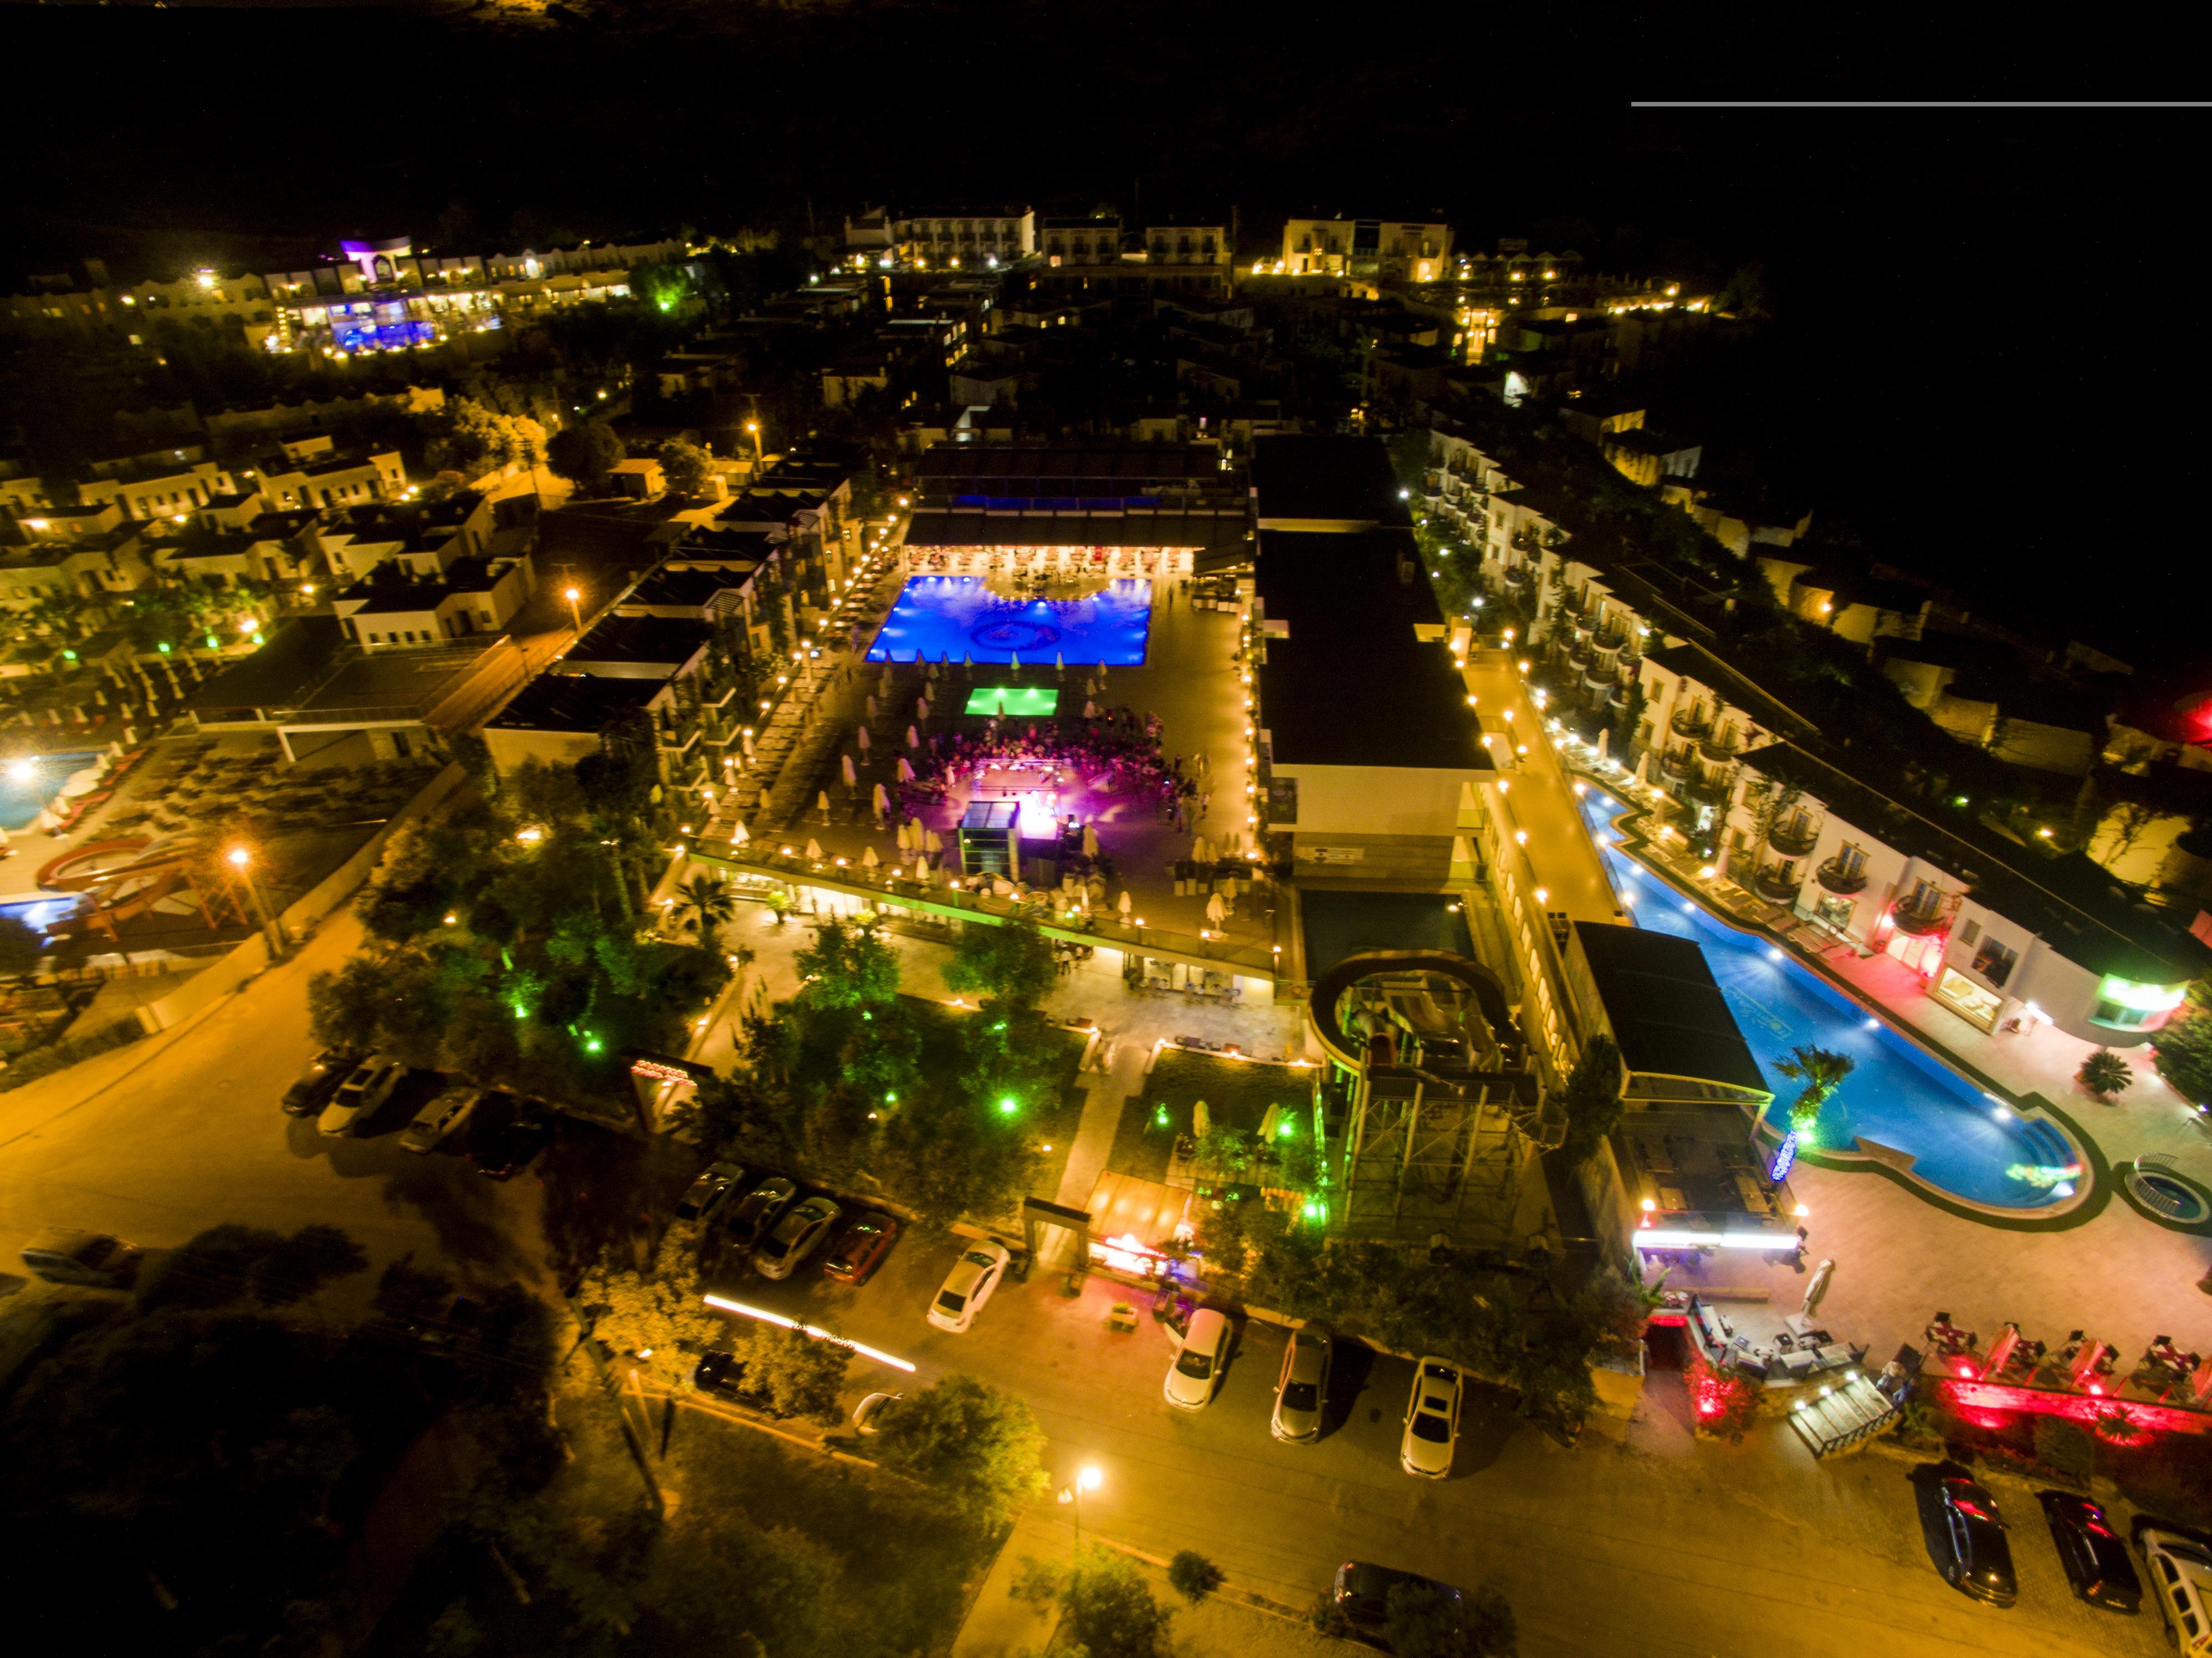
(1988, 351)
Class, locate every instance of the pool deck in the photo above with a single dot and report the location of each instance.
(1900, 1254)
(1189, 679)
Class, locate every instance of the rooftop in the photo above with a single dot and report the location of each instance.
(1051, 469)
(1350, 683)
(580, 703)
(1046, 528)
(639, 641)
(1326, 479)
(1665, 1007)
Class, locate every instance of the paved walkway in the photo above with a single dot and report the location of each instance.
(1540, 801)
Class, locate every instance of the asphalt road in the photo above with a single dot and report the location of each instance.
(155, 1141)
(1658, 1544)
(1653, 1543)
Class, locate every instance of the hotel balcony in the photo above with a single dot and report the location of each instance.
(1691, 722)
(1793, 840)
(1516, 576)
(1600, 676)
(1674, 766)
(1840, 877)
(1612, 637)
(1921, 920)
(1780, 882)
(1721, 748)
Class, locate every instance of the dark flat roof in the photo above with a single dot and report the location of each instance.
(1301, 476)
(579, 703)
(1665, 1008)
(685, 587)
(1351, 685)
(629, 640)
(1045, 470)
(1206, 531)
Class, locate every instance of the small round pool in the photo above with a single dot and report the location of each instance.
(2175, 1200)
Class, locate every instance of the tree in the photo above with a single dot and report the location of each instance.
(20, 946)
(656, 1322)
(685, 465)
(1193, 1576)
(707, 902)
(1822, 1072)
(799, 1375)
(1420, 1623)
(1013, 963)
(847, 967)
(2182, 1047)
(983, 1449)
(586, 453)
(1592, 1098)
(2103, 1074)
(1106, 1611)
(230, 1264)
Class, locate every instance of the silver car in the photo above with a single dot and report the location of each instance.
(1302, 1391)
(1432, 1419)
(436, 1121)
(361, 1095)
(796, 1237)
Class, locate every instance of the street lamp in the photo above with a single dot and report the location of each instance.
(242, 861)
(753, 426)
(1089, 1479)
(572, 594)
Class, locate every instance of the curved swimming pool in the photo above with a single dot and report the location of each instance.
(946, 617)
(1961, 1140)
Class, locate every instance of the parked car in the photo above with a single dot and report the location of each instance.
(723, 1374)
(1432, 1411)
(709, 1191)
(361, 1095)
(1302, 1390)
(968, 1284)
(1980, 1559)
(2095, 1560)
(308, 1096)
(61, 1254)
(868, 1417)
(861, 1249)
(510, 1147)
(1362, 1591)
(2181, 1582)
(1196, 1372)
(743, 1222)
(439, 1118)
(800, 1232)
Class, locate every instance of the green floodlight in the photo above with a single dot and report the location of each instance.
(164, 647)
(592, 1044)
(1007, 1106)
(213, 644)
(1160, 1116)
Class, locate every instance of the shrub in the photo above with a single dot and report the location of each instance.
(2065, 1447)
(1193, 1576)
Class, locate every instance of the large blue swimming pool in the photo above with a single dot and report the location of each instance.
(946, 617)
(1962, 1140)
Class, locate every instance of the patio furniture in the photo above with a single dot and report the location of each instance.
(1122, 1319)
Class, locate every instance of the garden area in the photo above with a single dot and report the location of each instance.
(1234, 1097)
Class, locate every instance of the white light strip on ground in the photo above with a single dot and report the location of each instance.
(1767, 1240)
(765, 1317)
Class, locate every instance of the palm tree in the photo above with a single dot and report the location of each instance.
(707, 902)
(2105, 1073)
(1822, 1074)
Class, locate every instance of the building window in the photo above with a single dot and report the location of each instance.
(1968, 933)
(1994, 961)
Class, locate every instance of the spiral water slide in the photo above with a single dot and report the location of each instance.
(124, 878)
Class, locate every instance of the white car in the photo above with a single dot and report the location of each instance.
(969, 1285)
(868, 1418)
(796, 1237)
(2181, 1581)
(437, 1121)
(1197, 1369)
(360, 1094)
(1432, 1419)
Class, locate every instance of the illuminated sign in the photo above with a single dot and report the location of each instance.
(2142, 999)
(666, 1067)
(1015, 702)
(1785, 1156)
(1685, 1237)
(1127, 1254)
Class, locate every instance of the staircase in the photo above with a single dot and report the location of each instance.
(1844, 1417)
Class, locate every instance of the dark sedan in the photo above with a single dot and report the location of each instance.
(325, 1073)
(1980, 1563)
(2095, 1559)
(723, 1374)
(1363, 1591)
(509, 1146)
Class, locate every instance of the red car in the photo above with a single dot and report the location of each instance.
(861, 1249)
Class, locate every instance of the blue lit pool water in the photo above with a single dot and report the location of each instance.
(1962, 1141)
(28, 782)
(945, 617)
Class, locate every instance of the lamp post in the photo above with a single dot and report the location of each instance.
(1088, 1479)
(753, 427)
(242, 861)
(575, 617)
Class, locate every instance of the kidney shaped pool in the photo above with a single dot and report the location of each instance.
(1961, 1140)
